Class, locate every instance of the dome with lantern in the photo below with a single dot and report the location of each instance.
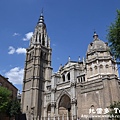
(97, 45)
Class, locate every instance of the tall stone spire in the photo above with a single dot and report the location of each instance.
(41, 19)
(40, 35)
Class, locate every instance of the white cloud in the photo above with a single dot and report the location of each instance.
(11, 50)
(21, 51)
(15, 75)
(16, 34)
(28, 36)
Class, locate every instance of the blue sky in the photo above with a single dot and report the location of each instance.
(70, 26)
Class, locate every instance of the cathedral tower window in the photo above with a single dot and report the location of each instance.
(43, 41)
(27, 108)
(36, 37)
(68, 76)
(40, 38)
(30, 56)
(63, 78)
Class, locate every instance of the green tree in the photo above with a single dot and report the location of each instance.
(13, 108)
(114, 110)
(4, 100)
(113, 37)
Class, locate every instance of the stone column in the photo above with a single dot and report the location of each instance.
(74, 108)
(73, 101)
(53, 104)
(73, 93)
(53, 90)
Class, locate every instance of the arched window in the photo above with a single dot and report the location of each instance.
(36, 37)
(95, 67)
(63, 77)
(68, 76)
(91, 71)
(101, 68)
(40, 38)
(107, 70)
(43, 41)
(107, 66)
(29, 56)
(27, 108)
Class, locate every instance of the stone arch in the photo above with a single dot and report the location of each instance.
(64, 106)
(62, 93)
(68, 76)
(65, 101)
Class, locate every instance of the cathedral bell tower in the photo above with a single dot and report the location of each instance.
(37, 71)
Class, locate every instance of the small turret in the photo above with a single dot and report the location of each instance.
(95, 36)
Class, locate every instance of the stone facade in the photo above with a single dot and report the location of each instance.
(77, 87)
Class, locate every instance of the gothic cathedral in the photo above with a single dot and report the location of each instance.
(75, 88)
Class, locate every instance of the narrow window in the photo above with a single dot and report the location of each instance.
(63, 77)
(40, 38)
(84, 78)
(30, 56)
(27, 108)
(36, 37)
(68, 76)
(43, 42)
(81, 79)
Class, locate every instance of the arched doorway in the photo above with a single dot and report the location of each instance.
(49, 110)
(64, 107)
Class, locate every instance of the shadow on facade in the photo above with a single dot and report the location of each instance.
(20, 117)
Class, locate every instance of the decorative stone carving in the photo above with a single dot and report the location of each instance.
(74, 101)
(73, 84)
(53, 104)
(53, 90)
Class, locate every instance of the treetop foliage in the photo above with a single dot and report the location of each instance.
(113, 36)
(4, 98)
